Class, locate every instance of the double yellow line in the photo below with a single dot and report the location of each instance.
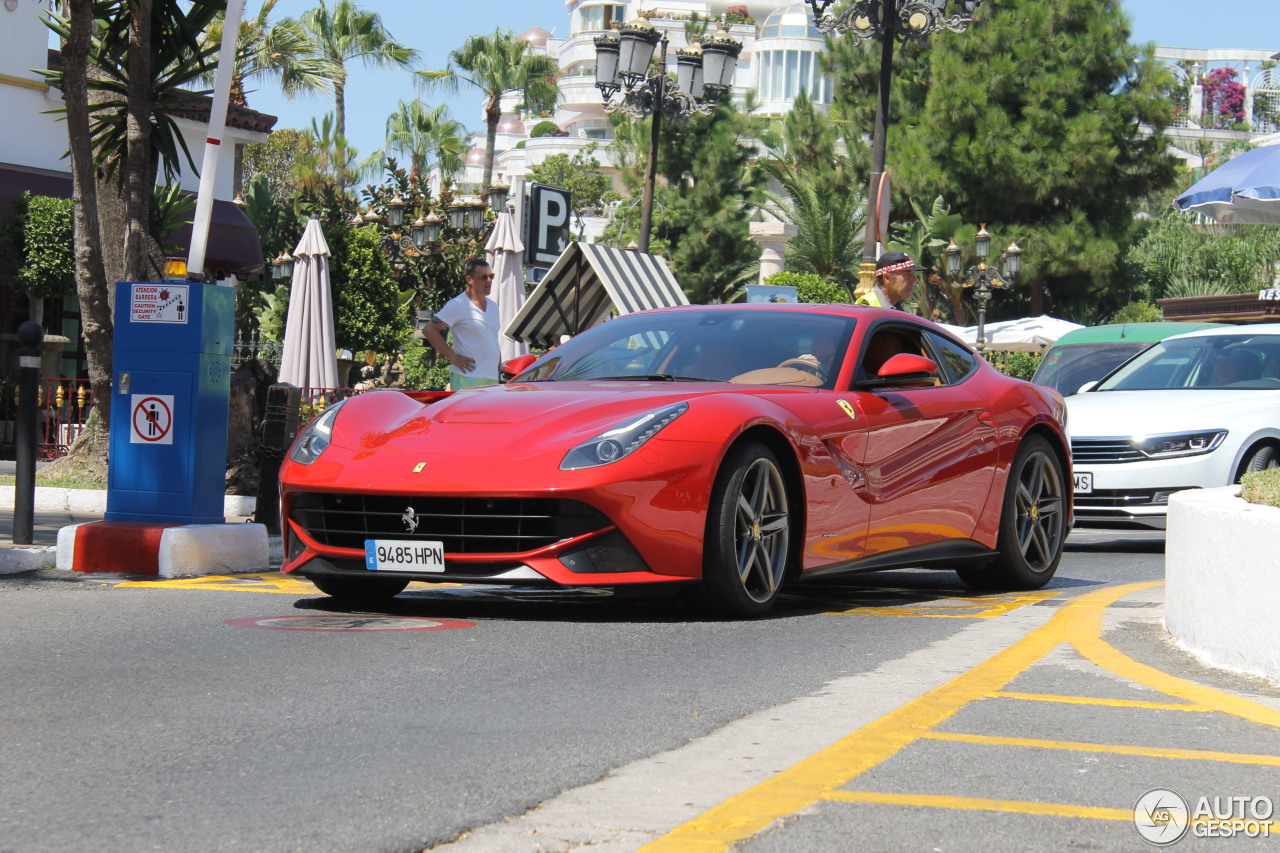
(819, 777)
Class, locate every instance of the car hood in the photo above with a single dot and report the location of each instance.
(1123, 413)
(520, 419)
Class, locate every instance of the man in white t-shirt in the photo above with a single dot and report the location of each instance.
(473, 317)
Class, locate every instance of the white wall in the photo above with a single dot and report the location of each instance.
(1221, 565)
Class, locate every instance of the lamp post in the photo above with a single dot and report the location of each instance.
(982, 279)
(886, 20)
(703, 74)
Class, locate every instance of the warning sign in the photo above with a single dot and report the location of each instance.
(160, 303)
(152, 419)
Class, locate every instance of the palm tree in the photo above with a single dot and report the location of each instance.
(427, 137)
(496, 65)
(347, 32)
(280, 50)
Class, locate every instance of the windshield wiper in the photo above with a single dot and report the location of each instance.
(652, 377)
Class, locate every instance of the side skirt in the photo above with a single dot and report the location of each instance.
(938, 555)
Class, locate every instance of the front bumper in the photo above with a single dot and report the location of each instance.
(1136, 494)
(514, 541)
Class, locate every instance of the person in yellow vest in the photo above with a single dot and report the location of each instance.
(895, 281)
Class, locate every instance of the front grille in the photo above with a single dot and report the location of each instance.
(1103, 451)
(1115, 498)
(467, 525)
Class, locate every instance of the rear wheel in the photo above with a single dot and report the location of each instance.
(359, 589)
(1261, 458)
(1033, 523)
(748, 539)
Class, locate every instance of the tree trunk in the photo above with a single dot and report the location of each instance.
(1037, 297)
(35, 307)
(340, 125)
(492, 115)
(137, 195)
(91, 283)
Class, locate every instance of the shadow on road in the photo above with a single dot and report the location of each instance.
(671, 604)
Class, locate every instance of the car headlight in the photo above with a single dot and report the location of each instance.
(1180, 444)
(622, 440)
(315, 437)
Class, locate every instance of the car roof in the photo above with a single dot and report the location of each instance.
(1243, 330)
(1136, 332)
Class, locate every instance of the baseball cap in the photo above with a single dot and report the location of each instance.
(896, 262)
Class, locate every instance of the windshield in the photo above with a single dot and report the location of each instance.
(1067, 367)
(757, 347)
(1216, 361)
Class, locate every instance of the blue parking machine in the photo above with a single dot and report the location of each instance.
(170, 393)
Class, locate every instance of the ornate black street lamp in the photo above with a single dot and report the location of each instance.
(981, 279)
(884, 21)
(703, 74)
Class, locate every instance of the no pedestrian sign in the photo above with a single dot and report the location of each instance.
(152, 419)
(160, 303)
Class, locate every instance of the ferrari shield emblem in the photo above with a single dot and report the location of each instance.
(848, 409)
(417, 469)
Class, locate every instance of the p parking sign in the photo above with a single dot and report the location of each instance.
(548, 217)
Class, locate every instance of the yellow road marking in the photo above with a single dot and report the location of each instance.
(988, 607)
(258, 582)
(1078, 623)
(1088, 700)
(1118, 749)
(980, 804)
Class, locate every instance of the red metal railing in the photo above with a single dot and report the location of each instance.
(62, 408)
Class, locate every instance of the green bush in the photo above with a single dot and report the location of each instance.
(1261, 487)
(1019, 365)
(423, 371)
(40, 246)
(810, 287)
(1138, 312)
(367, 310)
(545, 128)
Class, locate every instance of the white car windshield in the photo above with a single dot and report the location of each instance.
(1243, 361)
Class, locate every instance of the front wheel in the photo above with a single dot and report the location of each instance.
(1033, 523)
(748, 540)
(369, 590)
(1262, 458)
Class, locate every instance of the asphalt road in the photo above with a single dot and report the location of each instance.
(158, 716)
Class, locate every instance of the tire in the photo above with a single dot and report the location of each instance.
(1261, 458)
(748, 541)
(1033, 526)
(359, 589)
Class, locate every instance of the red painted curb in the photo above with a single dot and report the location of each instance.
(123, 547)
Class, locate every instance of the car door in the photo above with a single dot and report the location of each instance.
(928, 454)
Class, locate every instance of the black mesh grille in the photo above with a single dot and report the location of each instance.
(1103, 451)
(1121, 499)
(465, 525)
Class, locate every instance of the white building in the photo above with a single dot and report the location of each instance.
(779, 58)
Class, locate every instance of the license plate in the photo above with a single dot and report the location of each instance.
(1083, 482)
(398, 555)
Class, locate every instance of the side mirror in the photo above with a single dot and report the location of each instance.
(904, 369)
(1088, 386)
(513, 368)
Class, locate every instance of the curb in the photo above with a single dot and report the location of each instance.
(52, 499)
(26, 559)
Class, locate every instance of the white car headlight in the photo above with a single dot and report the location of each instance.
(622, 440)
(1180, 444)
(315, 437)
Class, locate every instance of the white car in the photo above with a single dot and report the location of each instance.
(1193, 411)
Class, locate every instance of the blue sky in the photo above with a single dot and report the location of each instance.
(435, 27)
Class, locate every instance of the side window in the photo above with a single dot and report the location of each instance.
(885, 343)
(956, 361)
